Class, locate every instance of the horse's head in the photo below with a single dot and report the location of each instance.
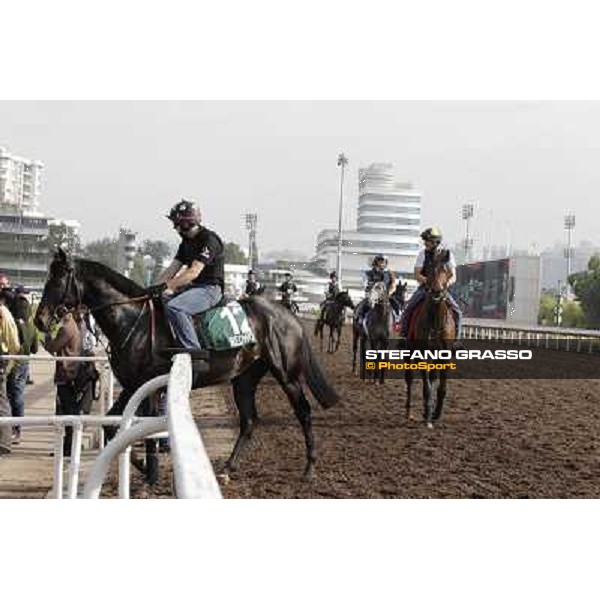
(344, 300)
(378, 294)
(437, 282)
(61, 289)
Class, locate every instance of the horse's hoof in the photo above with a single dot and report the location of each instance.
(223, 478)
(429, 425)
(229, 467)
(308, 474)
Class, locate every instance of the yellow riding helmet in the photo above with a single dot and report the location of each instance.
(432, 234)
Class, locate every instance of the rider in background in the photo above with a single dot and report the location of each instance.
(432, 241)
(199, 286)
(377, 273)
(253, 286)
(288, 289)
(333, 289)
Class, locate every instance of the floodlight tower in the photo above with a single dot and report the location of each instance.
(569, 226)
(467, 215)
(251, 220)
(342, 161)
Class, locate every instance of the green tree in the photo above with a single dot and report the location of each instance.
(157, 249)
(59, 234)
(546, 312)
(137, 273)
(234, 255)
(104, 251)
(586, 286)
(573, 315)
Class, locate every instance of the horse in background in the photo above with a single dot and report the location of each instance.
(333, 315)
(432, 328)
(373, 331)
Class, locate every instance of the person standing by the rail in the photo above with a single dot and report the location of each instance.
(9, 344)
(17, 378)
(67, 343)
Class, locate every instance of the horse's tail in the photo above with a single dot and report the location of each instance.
(318, 385)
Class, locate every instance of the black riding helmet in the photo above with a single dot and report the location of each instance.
(379, 258)
(184, 213)
(332, 275)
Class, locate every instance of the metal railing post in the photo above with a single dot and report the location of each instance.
(58, 462)
(75, 460)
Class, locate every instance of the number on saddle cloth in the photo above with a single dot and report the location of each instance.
(224, 328)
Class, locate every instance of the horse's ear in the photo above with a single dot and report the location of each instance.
(61, 255)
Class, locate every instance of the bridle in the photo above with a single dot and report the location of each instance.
(72, 281)
(377, 294)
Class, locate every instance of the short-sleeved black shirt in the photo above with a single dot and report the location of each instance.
(206, 246)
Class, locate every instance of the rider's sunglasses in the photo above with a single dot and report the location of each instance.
(184, 226)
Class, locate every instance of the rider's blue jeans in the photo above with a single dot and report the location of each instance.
(183, 306)
(418, 295)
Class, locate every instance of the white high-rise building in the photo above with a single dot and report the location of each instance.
(388, 223)
(20, 182)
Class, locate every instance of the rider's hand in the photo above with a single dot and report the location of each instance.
(156, 291)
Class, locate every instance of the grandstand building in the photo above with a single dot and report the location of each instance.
(23, 228)
(388, 223)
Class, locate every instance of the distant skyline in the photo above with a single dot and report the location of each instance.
(113, 164)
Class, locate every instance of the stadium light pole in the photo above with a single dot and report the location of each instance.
(342, 161)
(467, 215)
(251, 219)
(569, 226)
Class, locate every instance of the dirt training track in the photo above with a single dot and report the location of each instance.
(509, 439)
(498, 439)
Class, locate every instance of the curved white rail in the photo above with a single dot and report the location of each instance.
(194, 475)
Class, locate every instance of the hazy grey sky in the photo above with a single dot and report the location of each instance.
(125, 163)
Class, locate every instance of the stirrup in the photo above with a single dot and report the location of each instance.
(195, 353)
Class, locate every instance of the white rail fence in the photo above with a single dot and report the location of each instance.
(193, 473)
(556, 338)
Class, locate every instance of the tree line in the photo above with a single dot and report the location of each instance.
(584, 311)
(106, 251)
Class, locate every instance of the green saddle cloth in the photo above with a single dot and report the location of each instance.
(224, 328)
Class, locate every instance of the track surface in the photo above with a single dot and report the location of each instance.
(498, 439)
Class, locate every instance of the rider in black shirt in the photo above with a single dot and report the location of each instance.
(288, 289)
(252, 285)
(199, 286)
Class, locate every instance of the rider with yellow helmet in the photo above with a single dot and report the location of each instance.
(432, 242)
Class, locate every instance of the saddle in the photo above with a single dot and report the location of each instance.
(224, 327)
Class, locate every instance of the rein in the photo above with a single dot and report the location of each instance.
(146, 299)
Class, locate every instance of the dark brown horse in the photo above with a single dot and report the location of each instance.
(373, 332)
(433, 328)
(139, 335)
(333, 315)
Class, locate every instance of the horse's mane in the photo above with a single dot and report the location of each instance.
(120, 282)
